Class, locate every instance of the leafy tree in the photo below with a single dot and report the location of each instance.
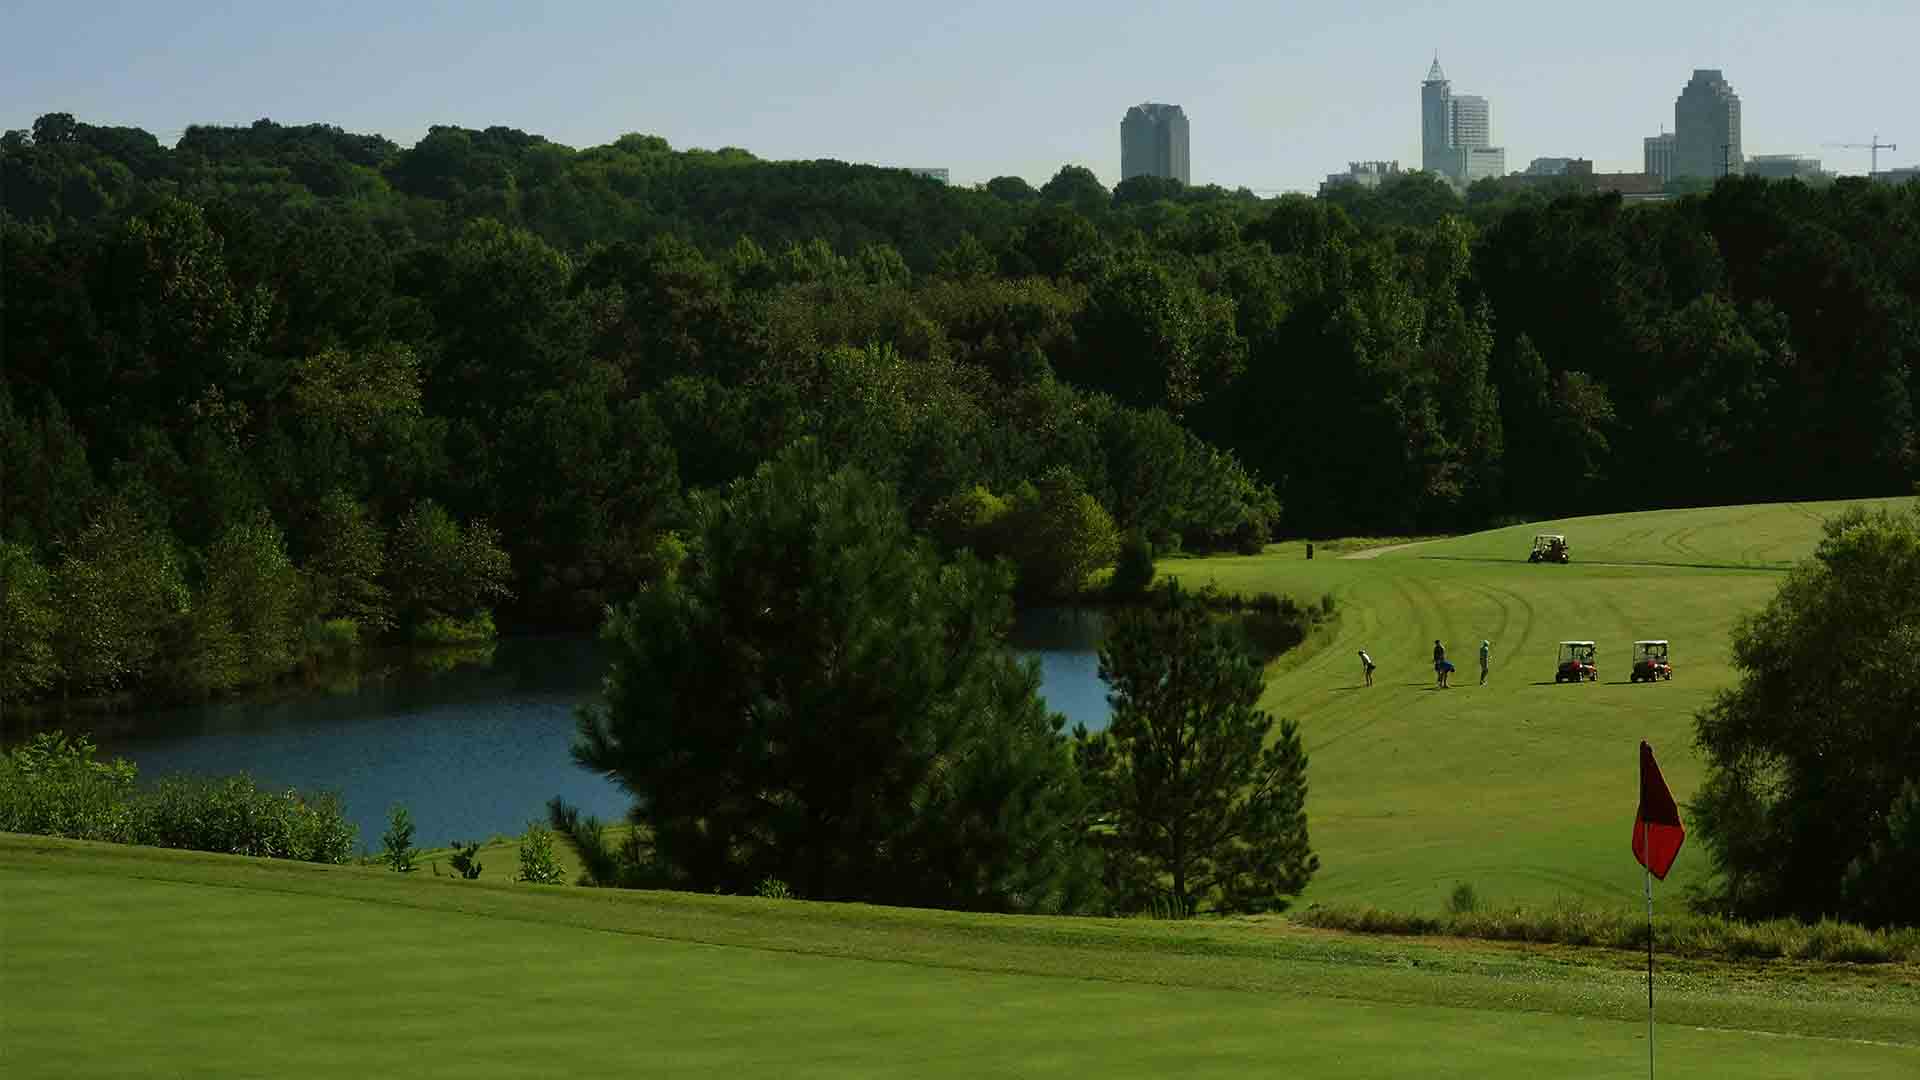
(120, 591)
(1812, 759)
(1076, 186)
(440, 570)
(399, 851)
(1196, 811)
(28, 620)
(1057, 534)
(256, 602)
(538, 865)
(347, 561)
(810, 628)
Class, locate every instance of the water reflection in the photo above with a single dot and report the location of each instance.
(473, 751)
(1067, 643)
(477, 749)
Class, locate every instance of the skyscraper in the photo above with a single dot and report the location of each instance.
(1706, 128)
(1456, 132)
(1153, 142)
(1656, 156)
(1472, 122)
(1436, 122)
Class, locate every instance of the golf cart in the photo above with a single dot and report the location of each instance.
(1650, 662)
(1576, 663)
(1549, 547)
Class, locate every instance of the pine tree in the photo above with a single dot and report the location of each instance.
(817, 697)
(1196, 811)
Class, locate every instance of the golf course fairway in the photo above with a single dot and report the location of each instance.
(1524, 789)
(124, 961)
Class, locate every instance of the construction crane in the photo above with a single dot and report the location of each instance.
(1876, 146)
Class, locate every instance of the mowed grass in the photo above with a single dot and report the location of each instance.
(120, 961)
(1523, 788)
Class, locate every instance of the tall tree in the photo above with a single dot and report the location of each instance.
(1808, 807)
(1199, 813)
(817, 697)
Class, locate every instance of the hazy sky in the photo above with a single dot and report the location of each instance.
(1278, 93)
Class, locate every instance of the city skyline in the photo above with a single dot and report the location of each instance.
(1284, 93)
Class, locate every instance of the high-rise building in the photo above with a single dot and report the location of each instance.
(1706, 128)
(1472, 124)
(1436, 122)
(1456, 132)
(1784, 166)
(1656, 156)
(1153, 142)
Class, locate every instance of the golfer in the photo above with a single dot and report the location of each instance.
(1366, 666)
(1486, 654)
(1440, 665)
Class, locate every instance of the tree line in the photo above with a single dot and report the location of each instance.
(415, 388)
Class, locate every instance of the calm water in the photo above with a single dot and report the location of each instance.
(477, 750)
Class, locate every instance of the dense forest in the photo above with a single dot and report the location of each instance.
(277, 389)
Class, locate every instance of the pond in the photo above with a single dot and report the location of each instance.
(477, 750)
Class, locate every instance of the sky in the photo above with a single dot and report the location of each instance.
(1278, 94)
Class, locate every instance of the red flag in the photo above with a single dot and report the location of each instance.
(1657, 832)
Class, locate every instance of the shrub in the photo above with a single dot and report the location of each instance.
(447, 630)
(232, 816)
(398, 841)
(772, 888)
(537, 863)
(1463, 900)
(52, 786)
(465, 859)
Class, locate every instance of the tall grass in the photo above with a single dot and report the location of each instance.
(1686, 934)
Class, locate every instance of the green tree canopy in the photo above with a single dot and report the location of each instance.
(1809, 807)
(818, 698)
(1197, 811)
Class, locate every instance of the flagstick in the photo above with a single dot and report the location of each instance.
(1646, 844)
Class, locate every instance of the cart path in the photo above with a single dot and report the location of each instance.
(1374, 553)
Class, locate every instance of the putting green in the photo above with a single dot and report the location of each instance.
(1523, 788)
(128, 962)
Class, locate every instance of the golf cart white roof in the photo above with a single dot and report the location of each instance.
(1652, 641)
(1549, 536)
(1576, 643)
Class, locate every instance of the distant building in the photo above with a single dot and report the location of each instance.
(1627, 184)
(1153, 142)
(1547, 166)
(1456, 132)
(1482, 163)
(1784, 167)
(931, 174)
(1706, 128)
(1898, 176)
(1366, 174)
(1656, 156)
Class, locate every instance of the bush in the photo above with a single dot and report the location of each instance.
(1463, 900)
(232, 816)
(772, 888)
(465, 859)
(52, 786)
(398, 842)
(447, 630)
(537, 863)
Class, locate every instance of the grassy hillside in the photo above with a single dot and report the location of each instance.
(129, 961)
(1523, 788)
